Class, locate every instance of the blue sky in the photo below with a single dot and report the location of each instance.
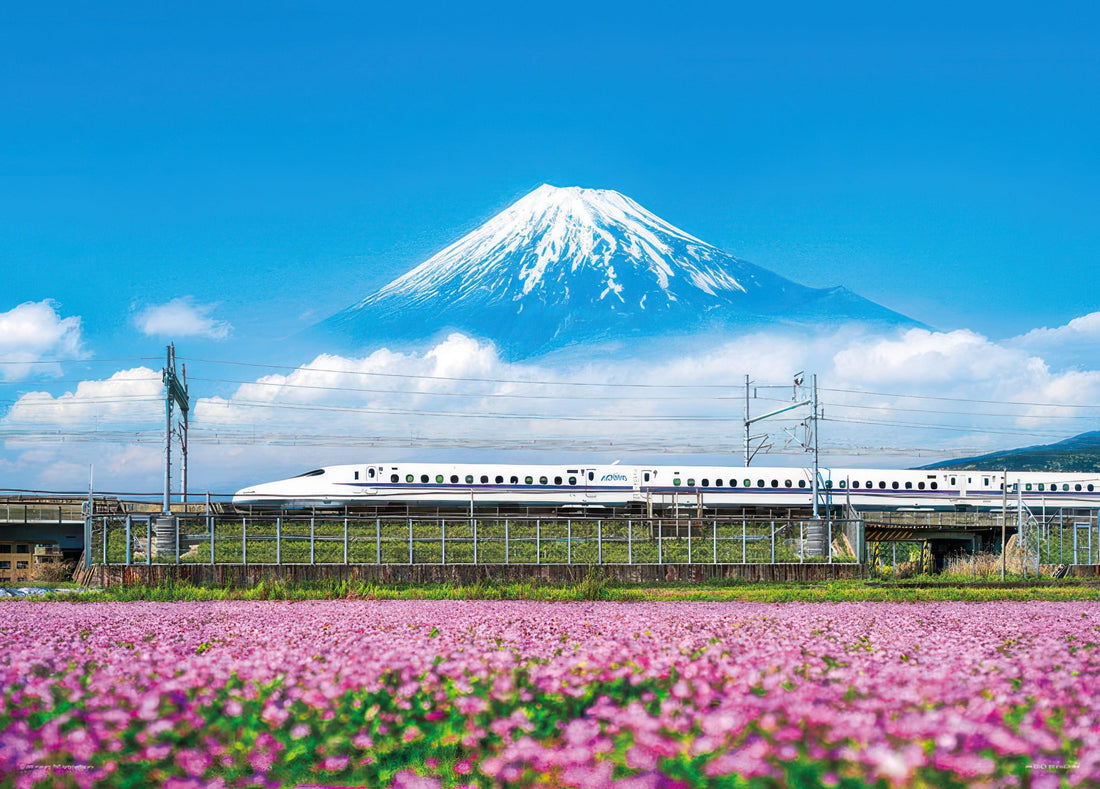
(270, 163)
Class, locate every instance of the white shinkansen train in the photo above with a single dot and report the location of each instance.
(470, 485)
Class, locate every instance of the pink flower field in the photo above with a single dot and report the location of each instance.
(422, 694)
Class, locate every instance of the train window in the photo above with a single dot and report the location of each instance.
(1065, 486)
(786, 483)
(528, 481)
(775, 483)
(920, 486)
(935, 485)
(469, 479)
(484, 479)
(1077, 486)
(691, 483)
(499, 479)
(370, 473)
(394, 478)
(591, 476)
(1089, 488)
(952, 480)
(748, 483)
(844, 483)
(706, 483)
(717, 483)
(454, 479)
(1041, 486)
(829, 484)
(439, 479)
(542, 480)
(513, 480)
(908, 485)
(855, 483)
(894, 485)
(733, 483)
(759, 483)
(557, 480)
(409, 478)
(985, 481)
(647, 476)
(357, 475)
(676, 482)
(1028, 486)
(572, 480)
(870, 484)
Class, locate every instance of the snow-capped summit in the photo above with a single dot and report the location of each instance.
(569, 266)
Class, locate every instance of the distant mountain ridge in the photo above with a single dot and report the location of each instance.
(1079, 454)
(568, 266)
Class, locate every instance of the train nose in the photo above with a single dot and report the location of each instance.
(245, 497)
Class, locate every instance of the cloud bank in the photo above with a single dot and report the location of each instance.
(902, 398)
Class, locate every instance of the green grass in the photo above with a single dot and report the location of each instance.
(597, 587)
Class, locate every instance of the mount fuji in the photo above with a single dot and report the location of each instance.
(568, 267)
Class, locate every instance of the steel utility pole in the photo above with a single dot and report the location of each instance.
(174, 392)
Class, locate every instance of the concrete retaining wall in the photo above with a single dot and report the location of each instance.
(238, 575)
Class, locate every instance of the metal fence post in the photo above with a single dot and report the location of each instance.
(210, 524)
(148, 540)
(443, 541)
(244, 541)
(474, 527)
(569, 541)
(660, 542)
(312, 539)
(506, 541)
(105, 540)
(279, 540)
(829, 537)
(128, 524)
(410, 541)
(773, 542)
(714, 526)
(599, 541)
(744, 542)
(378, 540)
(630, 542)
(689, 540)
(538, 540)
(345, 539)
(801, 541)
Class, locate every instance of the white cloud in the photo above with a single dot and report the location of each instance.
(34, 331)
(182, 317)
(1084, 329)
